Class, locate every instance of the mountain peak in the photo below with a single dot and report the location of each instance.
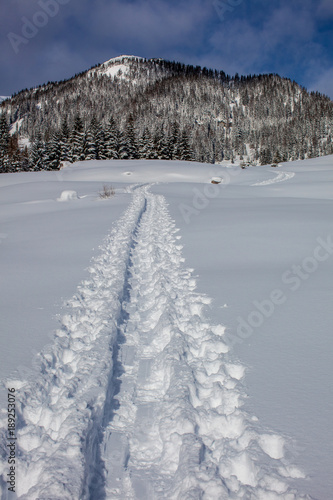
(123, 58)
(117, 66)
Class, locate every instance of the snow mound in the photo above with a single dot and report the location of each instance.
(68, 196)
(65, 164)
(216, 180)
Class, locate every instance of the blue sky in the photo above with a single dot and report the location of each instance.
(44, 40)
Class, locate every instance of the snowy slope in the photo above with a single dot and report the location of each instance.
(142, 391)
(116, 67)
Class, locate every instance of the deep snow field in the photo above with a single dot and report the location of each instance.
(173, 341)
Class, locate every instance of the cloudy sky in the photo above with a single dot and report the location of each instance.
(43, 40)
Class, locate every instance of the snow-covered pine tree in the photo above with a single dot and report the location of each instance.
(65, 141)
(77, 140)
(95, 148)
(90, 149)
(131, 143)
(161, 144)
(265, 156)
(37, 154)
(173, 140)
(4, 142)
(277, 158)
(52, 155)
(123, 152)
(146, 146)
(184, 150)
(112, 140)
(101, 141)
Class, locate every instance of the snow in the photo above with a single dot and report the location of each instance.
(15, 127)
(119, 70)
(280, 177)
(121, 58)
(190, 360)
(216, 180)
(24, 142)
(4, 97)
(68, 195)
(117, 67)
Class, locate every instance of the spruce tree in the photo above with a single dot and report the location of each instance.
(77, 140)
(37, 154)
(52, 155)
(4, 142)
(174, 140)
(161, 144)
(112, 140)
(184, 151)
(90, 146)
(146, 147)
(65, 141)
(130, 139)
(123, 151)
(265, 156)
(95, 142)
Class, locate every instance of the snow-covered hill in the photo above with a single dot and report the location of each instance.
(193, 353)
(130, 108)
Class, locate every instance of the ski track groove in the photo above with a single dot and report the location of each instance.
(137, 397)
(280, 177)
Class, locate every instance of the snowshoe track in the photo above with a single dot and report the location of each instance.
(137, 398)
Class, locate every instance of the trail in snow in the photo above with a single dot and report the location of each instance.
(137, 398)
(61, 411)
(280, 177)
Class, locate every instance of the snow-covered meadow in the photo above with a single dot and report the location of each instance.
(193, 355)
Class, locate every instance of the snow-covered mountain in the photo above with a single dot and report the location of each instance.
(131, 107)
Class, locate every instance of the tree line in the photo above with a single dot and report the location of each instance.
(93, 142)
